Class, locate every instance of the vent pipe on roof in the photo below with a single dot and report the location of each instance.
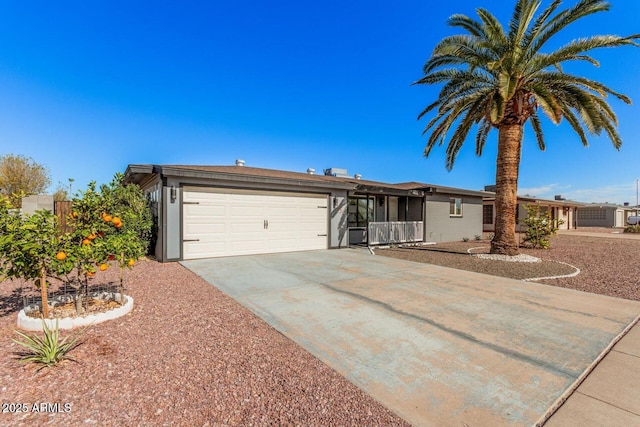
(558, 197)
(357, 176)
(311, 171)
(626, 203)
(239, 162)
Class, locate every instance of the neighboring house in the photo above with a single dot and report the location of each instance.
(212, 211)
(559, 208)
(604, 215)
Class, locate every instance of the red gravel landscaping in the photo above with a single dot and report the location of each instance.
(608, 266)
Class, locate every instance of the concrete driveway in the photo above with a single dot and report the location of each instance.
(438, 346)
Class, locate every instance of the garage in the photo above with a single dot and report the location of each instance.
(221, 222)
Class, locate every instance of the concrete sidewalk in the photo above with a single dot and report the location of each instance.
(612, 234)
(437, 346)
(610, 395)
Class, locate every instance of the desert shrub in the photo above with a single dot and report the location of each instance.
(540, 227)
(632, 229)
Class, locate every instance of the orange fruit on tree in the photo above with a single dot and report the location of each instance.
(91, 236)
(61, 256)
(103, 267)
(115, 219)
(117, 224)
(107, 218)
(91, 273)
(86, 242)
(131, 262)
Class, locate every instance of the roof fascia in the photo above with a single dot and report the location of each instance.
(234, 177)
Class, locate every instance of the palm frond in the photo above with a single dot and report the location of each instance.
(493, 31)
(563, 19)
(491, 78)
(463, 21)
(575, 49)
(537, 129)
(574, 122)
(481, 136)
(523, 15)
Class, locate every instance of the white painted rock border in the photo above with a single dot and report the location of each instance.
(35, 324)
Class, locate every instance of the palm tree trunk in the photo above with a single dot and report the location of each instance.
(507, 166)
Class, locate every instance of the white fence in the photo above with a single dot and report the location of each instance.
(395, 232)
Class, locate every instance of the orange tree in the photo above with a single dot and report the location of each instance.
(84, 246)
(108, 226)
(29, 248)
(128, 209)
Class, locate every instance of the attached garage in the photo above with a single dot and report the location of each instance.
(221, 222)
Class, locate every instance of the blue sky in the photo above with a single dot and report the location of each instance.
(90, 87)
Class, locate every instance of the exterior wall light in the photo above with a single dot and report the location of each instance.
(174, 194)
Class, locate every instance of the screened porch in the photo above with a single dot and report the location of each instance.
(385, 219)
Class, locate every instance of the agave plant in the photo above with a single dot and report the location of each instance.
(47, 350)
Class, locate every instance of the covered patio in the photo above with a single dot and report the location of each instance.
(384, 215)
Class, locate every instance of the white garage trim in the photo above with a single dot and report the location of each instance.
(221, 222)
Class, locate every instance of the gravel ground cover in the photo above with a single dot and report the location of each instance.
(190, 355)
(187, 355)
(608, 266)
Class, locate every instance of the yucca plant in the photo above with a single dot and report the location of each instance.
(47, 350)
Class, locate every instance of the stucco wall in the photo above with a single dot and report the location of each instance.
(441, 227)
(30, 204)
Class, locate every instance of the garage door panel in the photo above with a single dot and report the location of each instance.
(246, 211)
(204, 229)
(233, 223)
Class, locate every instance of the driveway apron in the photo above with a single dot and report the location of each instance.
(438, 346)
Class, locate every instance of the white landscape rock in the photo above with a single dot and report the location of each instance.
(515, 258)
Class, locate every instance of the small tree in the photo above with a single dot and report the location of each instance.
(61, 194)
(21, 176)
(540, 227)
(29, 248)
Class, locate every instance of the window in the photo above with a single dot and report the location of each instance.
(360, 211)
(455, 207)
(487, 214)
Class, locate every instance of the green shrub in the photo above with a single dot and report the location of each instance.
(632, 229)
(540, 227)
(477, 237)
(465, 239)
(47, 350)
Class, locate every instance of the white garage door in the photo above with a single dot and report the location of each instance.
(220, 222)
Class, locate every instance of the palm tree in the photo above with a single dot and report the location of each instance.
(498, 79)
